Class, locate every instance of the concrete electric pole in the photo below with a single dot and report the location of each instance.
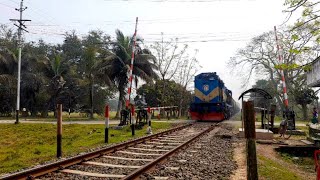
(21, 27)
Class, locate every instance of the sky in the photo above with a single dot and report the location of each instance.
(217, 28)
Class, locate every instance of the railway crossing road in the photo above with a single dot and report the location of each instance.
(112, 122)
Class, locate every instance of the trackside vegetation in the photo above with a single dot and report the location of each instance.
(25, 145)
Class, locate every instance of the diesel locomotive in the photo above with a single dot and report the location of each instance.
(212, 100)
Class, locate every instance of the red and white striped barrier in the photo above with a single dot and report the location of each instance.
(158, 108)
(106, 115)
(106, 131)
(149, 130)
(133, 115)
(280, 57)
(131, 64)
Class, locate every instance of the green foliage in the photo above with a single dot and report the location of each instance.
(268, 87)
(295, 37)
(116, 65)
(172, 96)
(305, 96)
(286, 66)
(295, 51)
(309, 18)
(54, 73)
(306, 163)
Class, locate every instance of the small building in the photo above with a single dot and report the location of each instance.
(313, 76)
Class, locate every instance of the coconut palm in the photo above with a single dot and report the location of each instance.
(117, 64)
(8, 64)
(53, 70)
(30, 81)
(93, 50)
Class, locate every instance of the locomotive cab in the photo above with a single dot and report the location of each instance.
(212, 100)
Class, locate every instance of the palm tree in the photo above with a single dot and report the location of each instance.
(8, 64)
(30, 79)
(117, 64)
(53, 70)
(90, 59)
(93, 50)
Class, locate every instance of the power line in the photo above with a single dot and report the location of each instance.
(172, 1)
(8, 6)
(14, 2)
(200, 41)
(236, 39)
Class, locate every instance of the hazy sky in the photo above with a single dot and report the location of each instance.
(222, 26)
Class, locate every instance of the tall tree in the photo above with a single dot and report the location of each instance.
(169, 58)
(266, 85)
(304, 97)
(259, 57)
(187, 70)
(174, 90)
(72, 47)
(309, 17)
(94, 45)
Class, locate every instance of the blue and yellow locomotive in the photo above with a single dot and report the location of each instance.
(212, 100)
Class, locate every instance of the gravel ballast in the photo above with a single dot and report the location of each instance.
(210, 157)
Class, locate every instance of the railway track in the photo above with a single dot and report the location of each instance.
(127, 160)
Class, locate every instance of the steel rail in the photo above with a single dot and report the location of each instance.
(138, 172)
(45, 169)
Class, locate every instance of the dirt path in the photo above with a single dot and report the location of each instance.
(268, 152)
(240, 158)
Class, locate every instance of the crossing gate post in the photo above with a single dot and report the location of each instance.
(133, 121)
(59, 130)
(106, 130)
(250, 135)
(149, 130)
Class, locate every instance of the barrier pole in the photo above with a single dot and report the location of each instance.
(131, 64)
(106, 130)
(59, 130)
(280, 57)
(133, 121)
(149, 130)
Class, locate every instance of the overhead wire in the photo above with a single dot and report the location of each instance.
(172, 1)
(13, 1)
(188, 37)
(8, 6)
(222, 39)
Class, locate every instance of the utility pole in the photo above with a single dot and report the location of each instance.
(21, 27)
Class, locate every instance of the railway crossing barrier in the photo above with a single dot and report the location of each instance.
(106, 131)
(149, 130)
(59, 130)
(133, 121)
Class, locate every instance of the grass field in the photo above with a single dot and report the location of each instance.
(24, 145)
(269, 169)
